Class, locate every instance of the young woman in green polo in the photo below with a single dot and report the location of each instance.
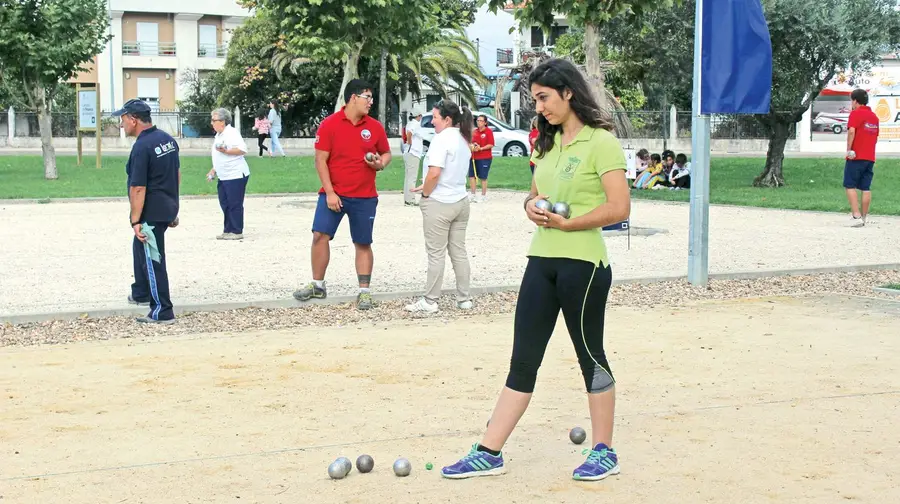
(578, 162)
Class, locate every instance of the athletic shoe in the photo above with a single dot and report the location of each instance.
(476, 463)
(311, 291)
(364, 301)
(138, 302)
(465, 305)
(422, 306)
(148, 320)
(857, 221)
(601, 462)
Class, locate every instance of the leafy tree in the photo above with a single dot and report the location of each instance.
(449, 64)
(456, 14)
(249, 78)
(593, 15)
(42, 44)
(337, 31)
(812, 40)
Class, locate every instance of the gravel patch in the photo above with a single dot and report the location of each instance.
(674, 293)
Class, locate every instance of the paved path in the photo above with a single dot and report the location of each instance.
(74, 256)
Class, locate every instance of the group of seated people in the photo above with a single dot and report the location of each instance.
(662, 172)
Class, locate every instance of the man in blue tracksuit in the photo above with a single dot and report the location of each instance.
(154, 177)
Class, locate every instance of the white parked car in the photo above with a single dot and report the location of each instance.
(508, 140)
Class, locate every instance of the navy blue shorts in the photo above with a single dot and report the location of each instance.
(858, 174)
(482, 167)
(361, 212)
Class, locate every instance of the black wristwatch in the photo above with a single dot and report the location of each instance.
(135, 223)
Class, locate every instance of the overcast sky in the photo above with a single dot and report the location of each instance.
(492, 30)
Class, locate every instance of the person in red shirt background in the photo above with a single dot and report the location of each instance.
(482, 143)
(532, 136)
(343, 144)
(862, 134)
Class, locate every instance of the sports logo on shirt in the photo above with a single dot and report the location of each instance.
(158, 151)
(568, 171)
(366, 134)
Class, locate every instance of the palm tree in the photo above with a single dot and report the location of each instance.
(447, 65)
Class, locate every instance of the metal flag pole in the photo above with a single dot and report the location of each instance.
(698, 241)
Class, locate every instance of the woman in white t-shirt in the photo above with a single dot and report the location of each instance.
(445, 204)
(230, 167)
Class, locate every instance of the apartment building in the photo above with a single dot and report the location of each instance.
(154, 43)
(529, 39)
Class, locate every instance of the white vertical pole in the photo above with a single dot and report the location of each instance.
(698, 245)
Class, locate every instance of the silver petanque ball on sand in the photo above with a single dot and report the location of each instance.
(365, 463)
(345, 462)
(543, 205)
(561, 208)
(577, 435)
(336, 470)
(402, 467)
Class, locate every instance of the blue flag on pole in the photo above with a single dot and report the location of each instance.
(736, 62)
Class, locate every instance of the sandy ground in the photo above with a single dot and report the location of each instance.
(77, 255)
(773, 400)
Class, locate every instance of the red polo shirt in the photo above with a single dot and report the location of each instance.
(866, 124)
(347, 145)
(483, 137)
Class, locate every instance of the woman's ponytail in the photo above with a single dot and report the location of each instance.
(466, 124)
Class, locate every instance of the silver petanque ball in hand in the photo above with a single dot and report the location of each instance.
(336, 470)
(543, 205)
(402, 467)
(561, 208)
(577, 435)
(365, 463)
(370, 156)
(345, 462)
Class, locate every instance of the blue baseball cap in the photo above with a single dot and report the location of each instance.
(134, 106)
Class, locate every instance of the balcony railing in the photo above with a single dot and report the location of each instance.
(212, 50)
(507, 56)
(148, 48)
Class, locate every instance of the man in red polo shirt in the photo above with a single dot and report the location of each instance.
(351, 148)
(862, 135)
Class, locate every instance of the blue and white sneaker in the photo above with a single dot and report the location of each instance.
(601, 462)
(476, 463)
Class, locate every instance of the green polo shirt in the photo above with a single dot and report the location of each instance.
(572, 174)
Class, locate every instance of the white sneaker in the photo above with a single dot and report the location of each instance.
(857, 222)
(465, 305)
(472, 198)
(422, 305)
(482, 198)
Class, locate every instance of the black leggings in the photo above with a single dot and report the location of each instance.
(551, 284)
(261, 137)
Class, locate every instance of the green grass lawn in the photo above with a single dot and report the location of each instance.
(892, 286)
(813, 183)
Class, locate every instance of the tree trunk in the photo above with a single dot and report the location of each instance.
(382, 89)
(773, 175)
(45, 123)
(592, 65)
(351, 71)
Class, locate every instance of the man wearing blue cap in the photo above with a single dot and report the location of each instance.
(154, 177)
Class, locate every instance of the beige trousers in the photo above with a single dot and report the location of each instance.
(445, 231)
(411, 166)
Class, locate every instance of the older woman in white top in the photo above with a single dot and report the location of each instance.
(230, 167)
(445, 205)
